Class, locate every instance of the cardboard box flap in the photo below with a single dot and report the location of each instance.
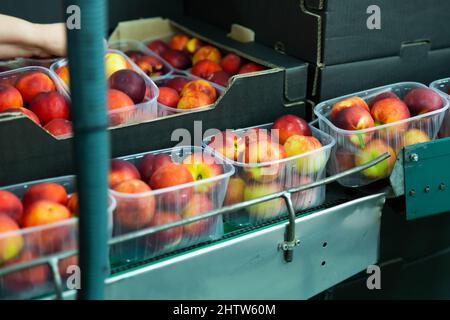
(142, 29)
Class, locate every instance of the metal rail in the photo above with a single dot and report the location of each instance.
(287, 246)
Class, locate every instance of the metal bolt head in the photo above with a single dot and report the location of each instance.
(414, 157)
(442, 186)
(427, 189)
(412, 193)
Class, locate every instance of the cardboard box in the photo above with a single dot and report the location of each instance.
(329, 32)
(416, 63)
(30, 153)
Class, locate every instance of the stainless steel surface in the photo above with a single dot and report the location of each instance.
(336, 244)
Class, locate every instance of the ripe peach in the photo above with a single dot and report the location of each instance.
(167, 239)
(49, 106)
(298, 145)
(30, 114)
(170, 175)
(177, 83)
(59, 127)
(120, 171)
(235, 191)
(202, 166)
(388, 111)
(34, 83)
(150, 65)
(195, 99)
(10, 246)
(193, 45)
(29, 278)
(423, 100)
(220, 77)
(152, 162)
(207, 53)
(11, 205)
(266, 210)
(373, 150)
(228, 144)
(10, 97)
(231, 64)
(198, 205)
(202, 86)
(347, 103)
(158, 46)
(116, 101)
(134, 212)
(178, 59)
(381, 96)
(263, 151)
(63, 74)
(250, 67)
(168, 97)
(179, 42)
(129, 82)
(355, 118)
(205, 69)
(48, 191)
(413, 136)
(46, 212)
(289, 125)
(115, 62)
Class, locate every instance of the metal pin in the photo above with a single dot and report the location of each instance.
(414, 157)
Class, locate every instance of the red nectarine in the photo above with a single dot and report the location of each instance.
(49, 106)
(49, 191)
(10, 97)
(134, 212)
(205, 69)
(34, 83)
(120, 171)
(11, 205)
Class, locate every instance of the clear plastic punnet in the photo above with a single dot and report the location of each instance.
(164, 111)
(357, 147)
(444, 87)
(11, 77)
(29, 244)
(37, 62)
(162, 206)
(133, 47)
(142, 112)
(255, 180)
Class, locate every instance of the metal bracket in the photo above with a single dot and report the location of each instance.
(289, 245)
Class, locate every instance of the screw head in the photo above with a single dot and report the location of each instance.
(427, 189)
(412, 193)
(442, 186)
(414, 157)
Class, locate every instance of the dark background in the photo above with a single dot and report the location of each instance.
(48, 11)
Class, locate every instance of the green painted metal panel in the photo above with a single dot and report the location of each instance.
(427, 178)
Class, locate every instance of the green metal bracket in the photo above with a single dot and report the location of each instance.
(426, 178)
